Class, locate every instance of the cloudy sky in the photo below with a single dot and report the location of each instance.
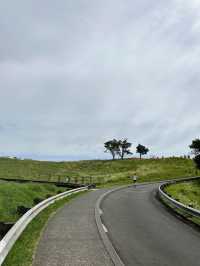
(74, 74)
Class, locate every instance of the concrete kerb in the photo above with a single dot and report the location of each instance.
(14, 233)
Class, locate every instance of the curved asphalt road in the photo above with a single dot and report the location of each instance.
(144, 233)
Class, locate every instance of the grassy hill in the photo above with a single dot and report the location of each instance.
(14, 194)
(98, 171)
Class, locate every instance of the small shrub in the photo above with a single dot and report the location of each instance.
(4, 228)
(37, 200)
(48, 196)
(183, 191)
(21, 210)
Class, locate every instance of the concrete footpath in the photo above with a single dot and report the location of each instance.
(71, 237)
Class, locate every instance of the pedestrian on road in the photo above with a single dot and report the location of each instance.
(135, 179)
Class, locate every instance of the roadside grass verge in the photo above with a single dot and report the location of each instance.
(22, 253)
(14, 194)
(101, 172)
(187, 193)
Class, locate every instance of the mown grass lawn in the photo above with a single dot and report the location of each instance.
(187, 193)
(14, 194)
(98, 171)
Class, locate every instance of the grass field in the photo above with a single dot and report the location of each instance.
(98, 171)
(101, 172)
(14, 194)
(188, 193)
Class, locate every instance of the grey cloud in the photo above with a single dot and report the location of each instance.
(75, 73)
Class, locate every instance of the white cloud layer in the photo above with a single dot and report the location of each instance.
(76, 73)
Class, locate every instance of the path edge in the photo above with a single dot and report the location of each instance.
(101, 228)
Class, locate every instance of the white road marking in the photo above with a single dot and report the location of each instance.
(104, 228)
(100, 212)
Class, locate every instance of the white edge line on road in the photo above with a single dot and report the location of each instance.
(104, 228)
(100, 212)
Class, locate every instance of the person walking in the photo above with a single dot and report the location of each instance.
(135, 180)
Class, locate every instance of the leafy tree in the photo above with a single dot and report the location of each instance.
(195, 146)
(112, 146)
(142, 150)
(124, 148)
(197, 161)
(118, 147)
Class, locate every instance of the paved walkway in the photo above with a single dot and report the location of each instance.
(71, 237)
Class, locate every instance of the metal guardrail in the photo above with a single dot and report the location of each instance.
(13, 234)
(186, 209)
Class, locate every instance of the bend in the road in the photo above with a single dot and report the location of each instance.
(144, 233)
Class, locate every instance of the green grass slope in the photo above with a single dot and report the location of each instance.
(22, 253)
(15, 194)
(187, 192)
(101, 171)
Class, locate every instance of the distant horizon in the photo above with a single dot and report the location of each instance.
(68, 159)
(74, 74)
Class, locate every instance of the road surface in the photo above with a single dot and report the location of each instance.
(144, 233)
(71, 237)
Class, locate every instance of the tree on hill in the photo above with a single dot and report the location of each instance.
(195, 146)
(112, 146)
(142, 150)
(124, 148)
(197, 161)
(118, 148)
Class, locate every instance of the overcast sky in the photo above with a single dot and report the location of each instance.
(76, 73)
